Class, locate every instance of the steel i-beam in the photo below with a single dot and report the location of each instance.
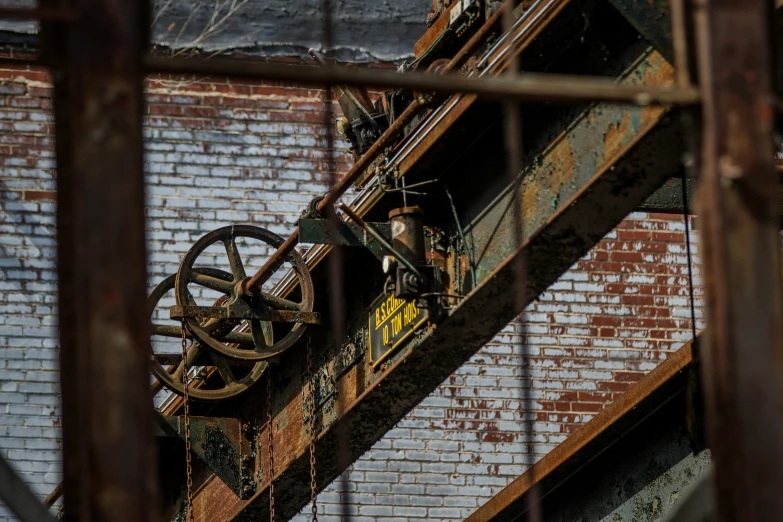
(108, 461)
(739, 211)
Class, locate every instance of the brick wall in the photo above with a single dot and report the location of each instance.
(223, 152)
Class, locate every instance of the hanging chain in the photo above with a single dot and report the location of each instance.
(188, 477)
(313, 483)
(269, 444)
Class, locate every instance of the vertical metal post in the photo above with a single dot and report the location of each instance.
(108, 459)
(740, 215)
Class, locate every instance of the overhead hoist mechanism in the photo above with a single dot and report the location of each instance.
(230, 323)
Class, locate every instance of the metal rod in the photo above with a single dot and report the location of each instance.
(19, 498)
(379, 238)
(52, 497)
(37, 13)
(739, 216)
(533, 88)
(108, 448)
(278, 258)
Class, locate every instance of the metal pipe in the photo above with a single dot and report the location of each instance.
(533, 88)
(37, 13)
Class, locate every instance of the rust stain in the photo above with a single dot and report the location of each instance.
(617, 135)
(563, 165)
(529, 198)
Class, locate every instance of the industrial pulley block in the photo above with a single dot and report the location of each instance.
(398, 244)
(232, 338)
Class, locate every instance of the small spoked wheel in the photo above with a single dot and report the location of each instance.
(240, 306)
(235, 378)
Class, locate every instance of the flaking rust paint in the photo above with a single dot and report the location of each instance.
(654, 71)
(215, 502)
(563, 168)
(597, 138)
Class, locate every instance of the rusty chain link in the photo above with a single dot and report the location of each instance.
(313, 483)
(188, 471)
(269, 444)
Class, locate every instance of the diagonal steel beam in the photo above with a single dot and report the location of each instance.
(631, 152)
(657, 387)
(19, 498)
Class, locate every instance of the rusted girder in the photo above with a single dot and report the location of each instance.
(108, 464)
(605, 162)
(657, 387)
(739, 212)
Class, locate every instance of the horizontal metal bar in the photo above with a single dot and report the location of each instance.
(346, 233)
(178, 312)
(19, 498)
(524, 87)
(37, 13)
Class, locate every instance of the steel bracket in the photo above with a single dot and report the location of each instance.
(345, 233)
(225, 445)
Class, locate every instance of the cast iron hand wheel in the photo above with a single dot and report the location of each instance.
(241, 305)
(236, 379)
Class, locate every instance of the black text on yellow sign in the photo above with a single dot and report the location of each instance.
(392, 320)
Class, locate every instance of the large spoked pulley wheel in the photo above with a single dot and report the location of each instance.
(242, 309)
(235, 378)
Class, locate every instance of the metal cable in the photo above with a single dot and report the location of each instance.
(514, 157)
(685, 215)
(468, 248)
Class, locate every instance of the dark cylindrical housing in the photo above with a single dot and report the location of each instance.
(407, 225)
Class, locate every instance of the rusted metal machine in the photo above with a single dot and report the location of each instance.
(441, 231)
(430, 246)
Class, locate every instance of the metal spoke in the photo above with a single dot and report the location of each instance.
(260, 333)
(223, 367)
(237, 338)
(168, 330)
(194, 352)
(278, 302)
(234, 259)
(213, 283)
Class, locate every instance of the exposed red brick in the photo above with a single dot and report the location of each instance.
(39, 194)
